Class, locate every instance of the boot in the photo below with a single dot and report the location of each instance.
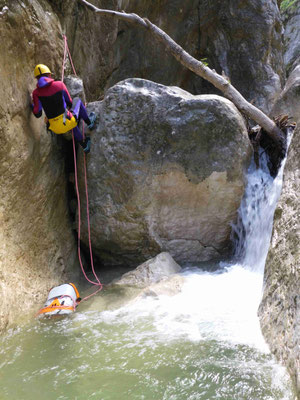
(92, 120)
(86, 144)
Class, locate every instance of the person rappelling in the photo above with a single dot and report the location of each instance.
(63, 114)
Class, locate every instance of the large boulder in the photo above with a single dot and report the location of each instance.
(280, 307)
(166, 173)
(37, 248)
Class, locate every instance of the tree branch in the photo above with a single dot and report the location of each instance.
(200, 69)
(132, 18)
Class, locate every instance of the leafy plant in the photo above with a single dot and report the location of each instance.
(286, 4)
(204, 61)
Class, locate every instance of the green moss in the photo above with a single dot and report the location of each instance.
(287, 4)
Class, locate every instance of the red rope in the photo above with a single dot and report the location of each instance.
(98, 283)
(64, 59)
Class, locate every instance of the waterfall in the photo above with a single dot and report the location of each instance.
(253, 230)
(222, 305)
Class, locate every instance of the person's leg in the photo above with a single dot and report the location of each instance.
(77, 134)
(84, 143)
(79, 111)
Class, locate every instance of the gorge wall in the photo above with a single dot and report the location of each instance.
(37, 249)
(280, 307)
(241, 38)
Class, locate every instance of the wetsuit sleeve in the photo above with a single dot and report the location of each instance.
(66, 95)
(36, 106)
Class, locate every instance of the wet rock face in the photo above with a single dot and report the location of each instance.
(243, 38)
(138, 54)
(166, 173)
(91, 41)
(280, 307)
(292, 36)
(233, 36)
(240, 37)
(36, 244)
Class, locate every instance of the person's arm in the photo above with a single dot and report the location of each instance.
(36, 106)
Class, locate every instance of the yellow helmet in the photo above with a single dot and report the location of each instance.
(41, 69)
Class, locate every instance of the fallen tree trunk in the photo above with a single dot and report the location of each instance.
(202, 70)
(259, 138)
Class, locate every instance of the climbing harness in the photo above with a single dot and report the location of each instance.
(61, 299)
(62, 124)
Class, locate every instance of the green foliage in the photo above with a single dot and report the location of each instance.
(204, 61)
(286, 4)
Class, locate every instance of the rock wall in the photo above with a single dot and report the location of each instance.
(291, 19)
(137, 54)
(280, 307)
(243, 38)
(36, 244)
(234, 37)
(91, 40)
(166, 173)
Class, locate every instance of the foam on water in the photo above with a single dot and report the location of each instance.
(221, 305)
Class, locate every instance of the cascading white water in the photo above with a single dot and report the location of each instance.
(223, 305)
(204, 343)
(256, 215)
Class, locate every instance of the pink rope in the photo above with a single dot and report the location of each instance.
(98, 283)
(64, 59)
(79, 218)
(70, 58)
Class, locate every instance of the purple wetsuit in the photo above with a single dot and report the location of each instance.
(53, 97)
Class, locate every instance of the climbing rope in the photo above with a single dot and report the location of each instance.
(97, 283)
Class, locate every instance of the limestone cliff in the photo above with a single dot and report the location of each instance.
(234, 37)
(291, 18)
(242, 38)
(280, 307)
(36, 243)
(91, 41)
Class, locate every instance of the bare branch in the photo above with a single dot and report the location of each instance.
(200, 69)
(132, 18)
